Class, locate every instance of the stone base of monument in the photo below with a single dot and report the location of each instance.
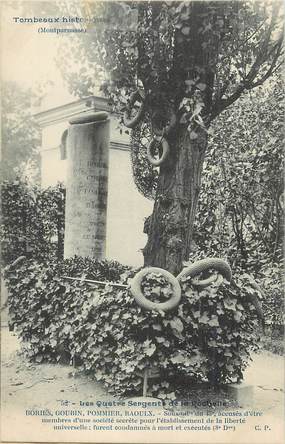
(242, 393)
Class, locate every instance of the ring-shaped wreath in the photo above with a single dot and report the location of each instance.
(150, 151)
(203, 265)
(141, 300)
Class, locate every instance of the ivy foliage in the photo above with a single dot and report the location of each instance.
(87, 268)
(32, 220)
(208, 337)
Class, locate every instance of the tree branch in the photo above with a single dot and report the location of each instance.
(263, 55)
(269, 72)
(248, 83)
(254, 33)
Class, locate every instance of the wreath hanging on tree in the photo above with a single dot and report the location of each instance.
(145, 176)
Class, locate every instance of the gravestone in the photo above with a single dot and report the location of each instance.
(87, 186)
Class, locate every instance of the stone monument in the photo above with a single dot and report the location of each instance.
(87, 185)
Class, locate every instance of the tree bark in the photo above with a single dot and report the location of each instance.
(170, 229)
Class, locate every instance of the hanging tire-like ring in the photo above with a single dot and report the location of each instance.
(132, 122)
(165, 151)
(141, 300)
(206, 264)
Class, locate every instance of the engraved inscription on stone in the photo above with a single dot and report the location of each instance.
(87, 189)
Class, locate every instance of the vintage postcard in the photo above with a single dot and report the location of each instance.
(142, 221)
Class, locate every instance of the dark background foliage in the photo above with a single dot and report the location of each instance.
(32, 220)
(241, 210)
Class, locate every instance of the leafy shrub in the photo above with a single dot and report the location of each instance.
(207, 338)
(32, 220)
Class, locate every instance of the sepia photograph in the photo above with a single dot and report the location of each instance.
(142, 221)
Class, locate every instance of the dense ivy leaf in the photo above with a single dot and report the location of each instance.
(214, 322)
(185, 30)
(204, 319)
(230, 304)
(238, 316)
(177, 324)
(193, 135)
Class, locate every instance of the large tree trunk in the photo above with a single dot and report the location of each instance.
(170, 230)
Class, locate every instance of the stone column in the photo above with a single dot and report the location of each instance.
(87, 186)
